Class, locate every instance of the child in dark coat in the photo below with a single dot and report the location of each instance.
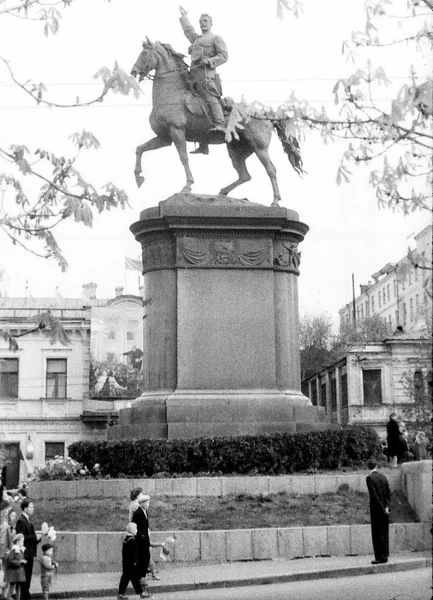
(14, 572)
(129, 564)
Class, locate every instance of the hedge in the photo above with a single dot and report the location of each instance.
(273, 454)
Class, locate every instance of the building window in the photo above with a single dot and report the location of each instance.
(323, 394)
(130, 336)
(366, 308)
(111, 335)
(314, 393)
(418, 386)
(404, 313)
(388, 291)
(384, 295)
(416, 273)
(379, 298)
(344, 391)
(372, 304)
(56, 378)
(403, 282)
(8, 377)
(53, 449)
(111, 357)
(395, 288)
(372, 386)
(396, 318)
(411, 309)
(333, 391)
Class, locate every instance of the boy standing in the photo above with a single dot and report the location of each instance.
(47, 568)
(129, 564)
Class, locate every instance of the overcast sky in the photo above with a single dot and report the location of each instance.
(268, 59)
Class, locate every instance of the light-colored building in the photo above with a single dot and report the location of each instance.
(45, 398)
(399, 292)
(373, 380)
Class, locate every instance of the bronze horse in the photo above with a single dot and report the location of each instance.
(178, 116)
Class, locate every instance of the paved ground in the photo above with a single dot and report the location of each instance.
(403, 585)
(227, 575)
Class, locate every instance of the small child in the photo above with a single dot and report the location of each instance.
(152, 566)
(47, 568)
(14, 571)
(129, 564)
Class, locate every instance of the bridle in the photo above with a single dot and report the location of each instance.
(160, 75)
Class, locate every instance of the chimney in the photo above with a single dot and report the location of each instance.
(89, 291)
(118, 290)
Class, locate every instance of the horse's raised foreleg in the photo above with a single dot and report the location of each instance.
(152, 144)
(263, 156)
(238, 157)
(178, 137)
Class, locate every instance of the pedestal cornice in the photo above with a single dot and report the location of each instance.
(187, 231)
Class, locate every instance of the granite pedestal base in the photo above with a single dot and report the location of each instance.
(221, 330)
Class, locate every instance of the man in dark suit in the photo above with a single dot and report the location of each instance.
(31, 540)
(380, 498)
(143, 540)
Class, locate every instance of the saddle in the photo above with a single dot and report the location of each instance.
(197, 106)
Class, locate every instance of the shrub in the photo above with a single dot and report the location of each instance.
(65, 468)
(60, 468)
(272, 454)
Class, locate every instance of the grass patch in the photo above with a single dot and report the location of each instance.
(169, 513)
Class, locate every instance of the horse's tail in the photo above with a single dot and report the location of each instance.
(290, 145)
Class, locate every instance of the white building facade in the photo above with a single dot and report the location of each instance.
(373, 380)
(400, 292)
(45, 402)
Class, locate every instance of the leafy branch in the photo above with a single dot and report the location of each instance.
(43, 322)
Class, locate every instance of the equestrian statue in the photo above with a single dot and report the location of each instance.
(188, 107)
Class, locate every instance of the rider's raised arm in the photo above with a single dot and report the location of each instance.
(188, 29)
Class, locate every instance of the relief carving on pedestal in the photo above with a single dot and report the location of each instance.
(224, 252)
(287, 256)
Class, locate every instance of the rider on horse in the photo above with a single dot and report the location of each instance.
(208, 51)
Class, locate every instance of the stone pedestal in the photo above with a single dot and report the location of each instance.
(221, 329)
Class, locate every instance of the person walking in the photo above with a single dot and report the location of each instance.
(129, 564)
(380, 499)
(141, 519)
(392, 439)
(31, 540)
(134, 504)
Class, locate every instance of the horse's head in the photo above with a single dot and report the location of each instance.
(158, 56)
(146, 62)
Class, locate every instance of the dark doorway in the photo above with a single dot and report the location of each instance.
(12, 464)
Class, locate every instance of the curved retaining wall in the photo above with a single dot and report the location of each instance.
(206, 486)
(100, 551)
(97, 552)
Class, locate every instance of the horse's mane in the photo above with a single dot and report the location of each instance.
(180, 62)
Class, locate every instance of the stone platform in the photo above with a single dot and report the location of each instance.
(221, 327)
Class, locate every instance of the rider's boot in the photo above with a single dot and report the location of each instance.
(203, 148)
(219, 126)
